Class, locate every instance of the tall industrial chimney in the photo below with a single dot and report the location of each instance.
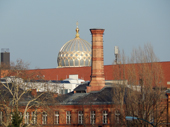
(97, 68)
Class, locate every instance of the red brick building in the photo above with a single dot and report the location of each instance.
(91, 103)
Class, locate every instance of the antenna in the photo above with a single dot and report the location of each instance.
(4, 49)
(116, 53)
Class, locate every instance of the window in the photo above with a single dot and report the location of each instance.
(136, 113)
(20, 114)
(27, 118)
(61, 91)
(141, 82)
(56, 117)
(44, 118)
(92, 117)
(87, 62)
(71, 62)
(11, 116)
(81, 62)
(65, 91)
(63, 63)
(76, 62)
(68, 117)
(144, 114)
(34, 117)
(1, 115)
(80, 117)
(105, 114)
(117, 116)
(151, 117)
(66, 62)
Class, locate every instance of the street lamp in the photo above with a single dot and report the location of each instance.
(136, 118)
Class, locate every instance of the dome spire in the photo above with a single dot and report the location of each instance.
(77, 30)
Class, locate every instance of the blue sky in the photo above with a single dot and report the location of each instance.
(35, 30)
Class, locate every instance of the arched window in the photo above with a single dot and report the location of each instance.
(80, 117)
(71, 62)
(1, 115)
(81, 62)
(34, 117)
(105, 115)
(151, 117)
(76, 62)
(62, 62)
(92, 117)
(117, 116)
(66, 62)
(87, 62)
(44, 118)
(27, 118)
(68, 117)
(56, 117)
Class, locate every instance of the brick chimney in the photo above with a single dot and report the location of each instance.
(55, 95)
(97, 68)
(34, 92)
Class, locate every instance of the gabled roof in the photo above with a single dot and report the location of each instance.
(82, 87)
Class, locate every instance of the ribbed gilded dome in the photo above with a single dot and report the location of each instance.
(75, 53)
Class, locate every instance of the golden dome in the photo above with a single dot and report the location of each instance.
(75, 53)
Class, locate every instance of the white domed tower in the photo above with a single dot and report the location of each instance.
(75, 53)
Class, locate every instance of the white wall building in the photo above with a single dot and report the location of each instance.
(61, 87)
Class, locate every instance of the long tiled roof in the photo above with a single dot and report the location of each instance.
(99, 97)
(85, 72)
(104, 96)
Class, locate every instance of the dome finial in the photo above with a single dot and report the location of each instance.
(77, 30)
(77, 23)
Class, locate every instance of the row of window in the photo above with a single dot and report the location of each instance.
(81, 117)
(75, 61)
(64, 91)
(68, 117)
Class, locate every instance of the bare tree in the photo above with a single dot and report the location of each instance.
(143, 96)
(14, 98)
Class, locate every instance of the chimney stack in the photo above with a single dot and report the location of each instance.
(97, 68)
(5, 58)
(34, 92)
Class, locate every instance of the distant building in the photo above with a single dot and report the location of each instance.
(59, 87)
(5, 57)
